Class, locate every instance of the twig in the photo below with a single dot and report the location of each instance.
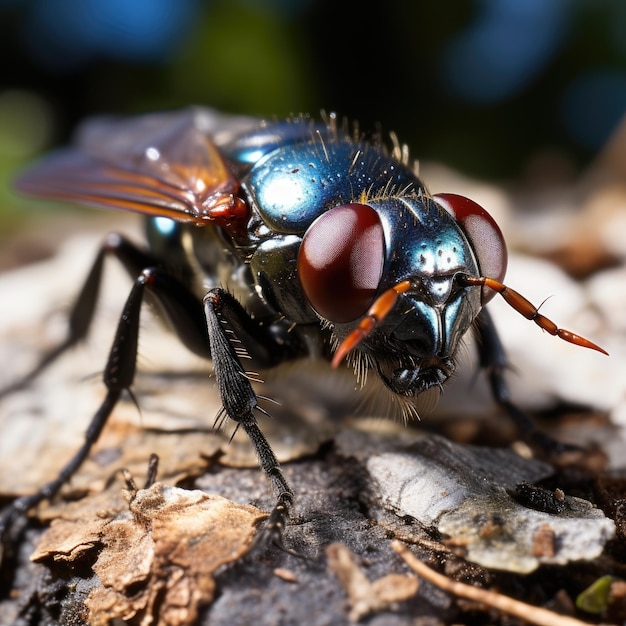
(527, 612)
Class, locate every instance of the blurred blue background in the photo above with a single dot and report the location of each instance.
(495, 88)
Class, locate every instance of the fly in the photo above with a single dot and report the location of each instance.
(357, 263)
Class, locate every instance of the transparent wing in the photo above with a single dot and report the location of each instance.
(165, 164)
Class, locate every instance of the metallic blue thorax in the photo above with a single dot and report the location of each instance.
(305, 170)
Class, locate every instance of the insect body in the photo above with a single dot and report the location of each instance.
(328, 245)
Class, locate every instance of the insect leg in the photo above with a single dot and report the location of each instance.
(240, 401)
(493, 360)
(185, 314)
(81, 315)
(118, 376)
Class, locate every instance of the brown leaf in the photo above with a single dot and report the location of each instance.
(157, 555)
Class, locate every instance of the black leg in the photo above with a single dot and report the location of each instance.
(184, 310)
(493, 361)
(239, 400)
(204, 332)
(118, 376)
(81, 315)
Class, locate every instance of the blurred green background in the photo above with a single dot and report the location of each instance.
(499, 89)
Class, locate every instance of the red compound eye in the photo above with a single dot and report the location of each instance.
(483, 234)
(341, 261)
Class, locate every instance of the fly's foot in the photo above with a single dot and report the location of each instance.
(272, 534)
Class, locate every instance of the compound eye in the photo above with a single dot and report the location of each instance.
(483, 234)
(340, 262)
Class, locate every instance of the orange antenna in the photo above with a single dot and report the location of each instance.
(377, 312)
(529, 311)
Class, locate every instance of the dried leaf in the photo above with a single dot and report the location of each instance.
(157, 555)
